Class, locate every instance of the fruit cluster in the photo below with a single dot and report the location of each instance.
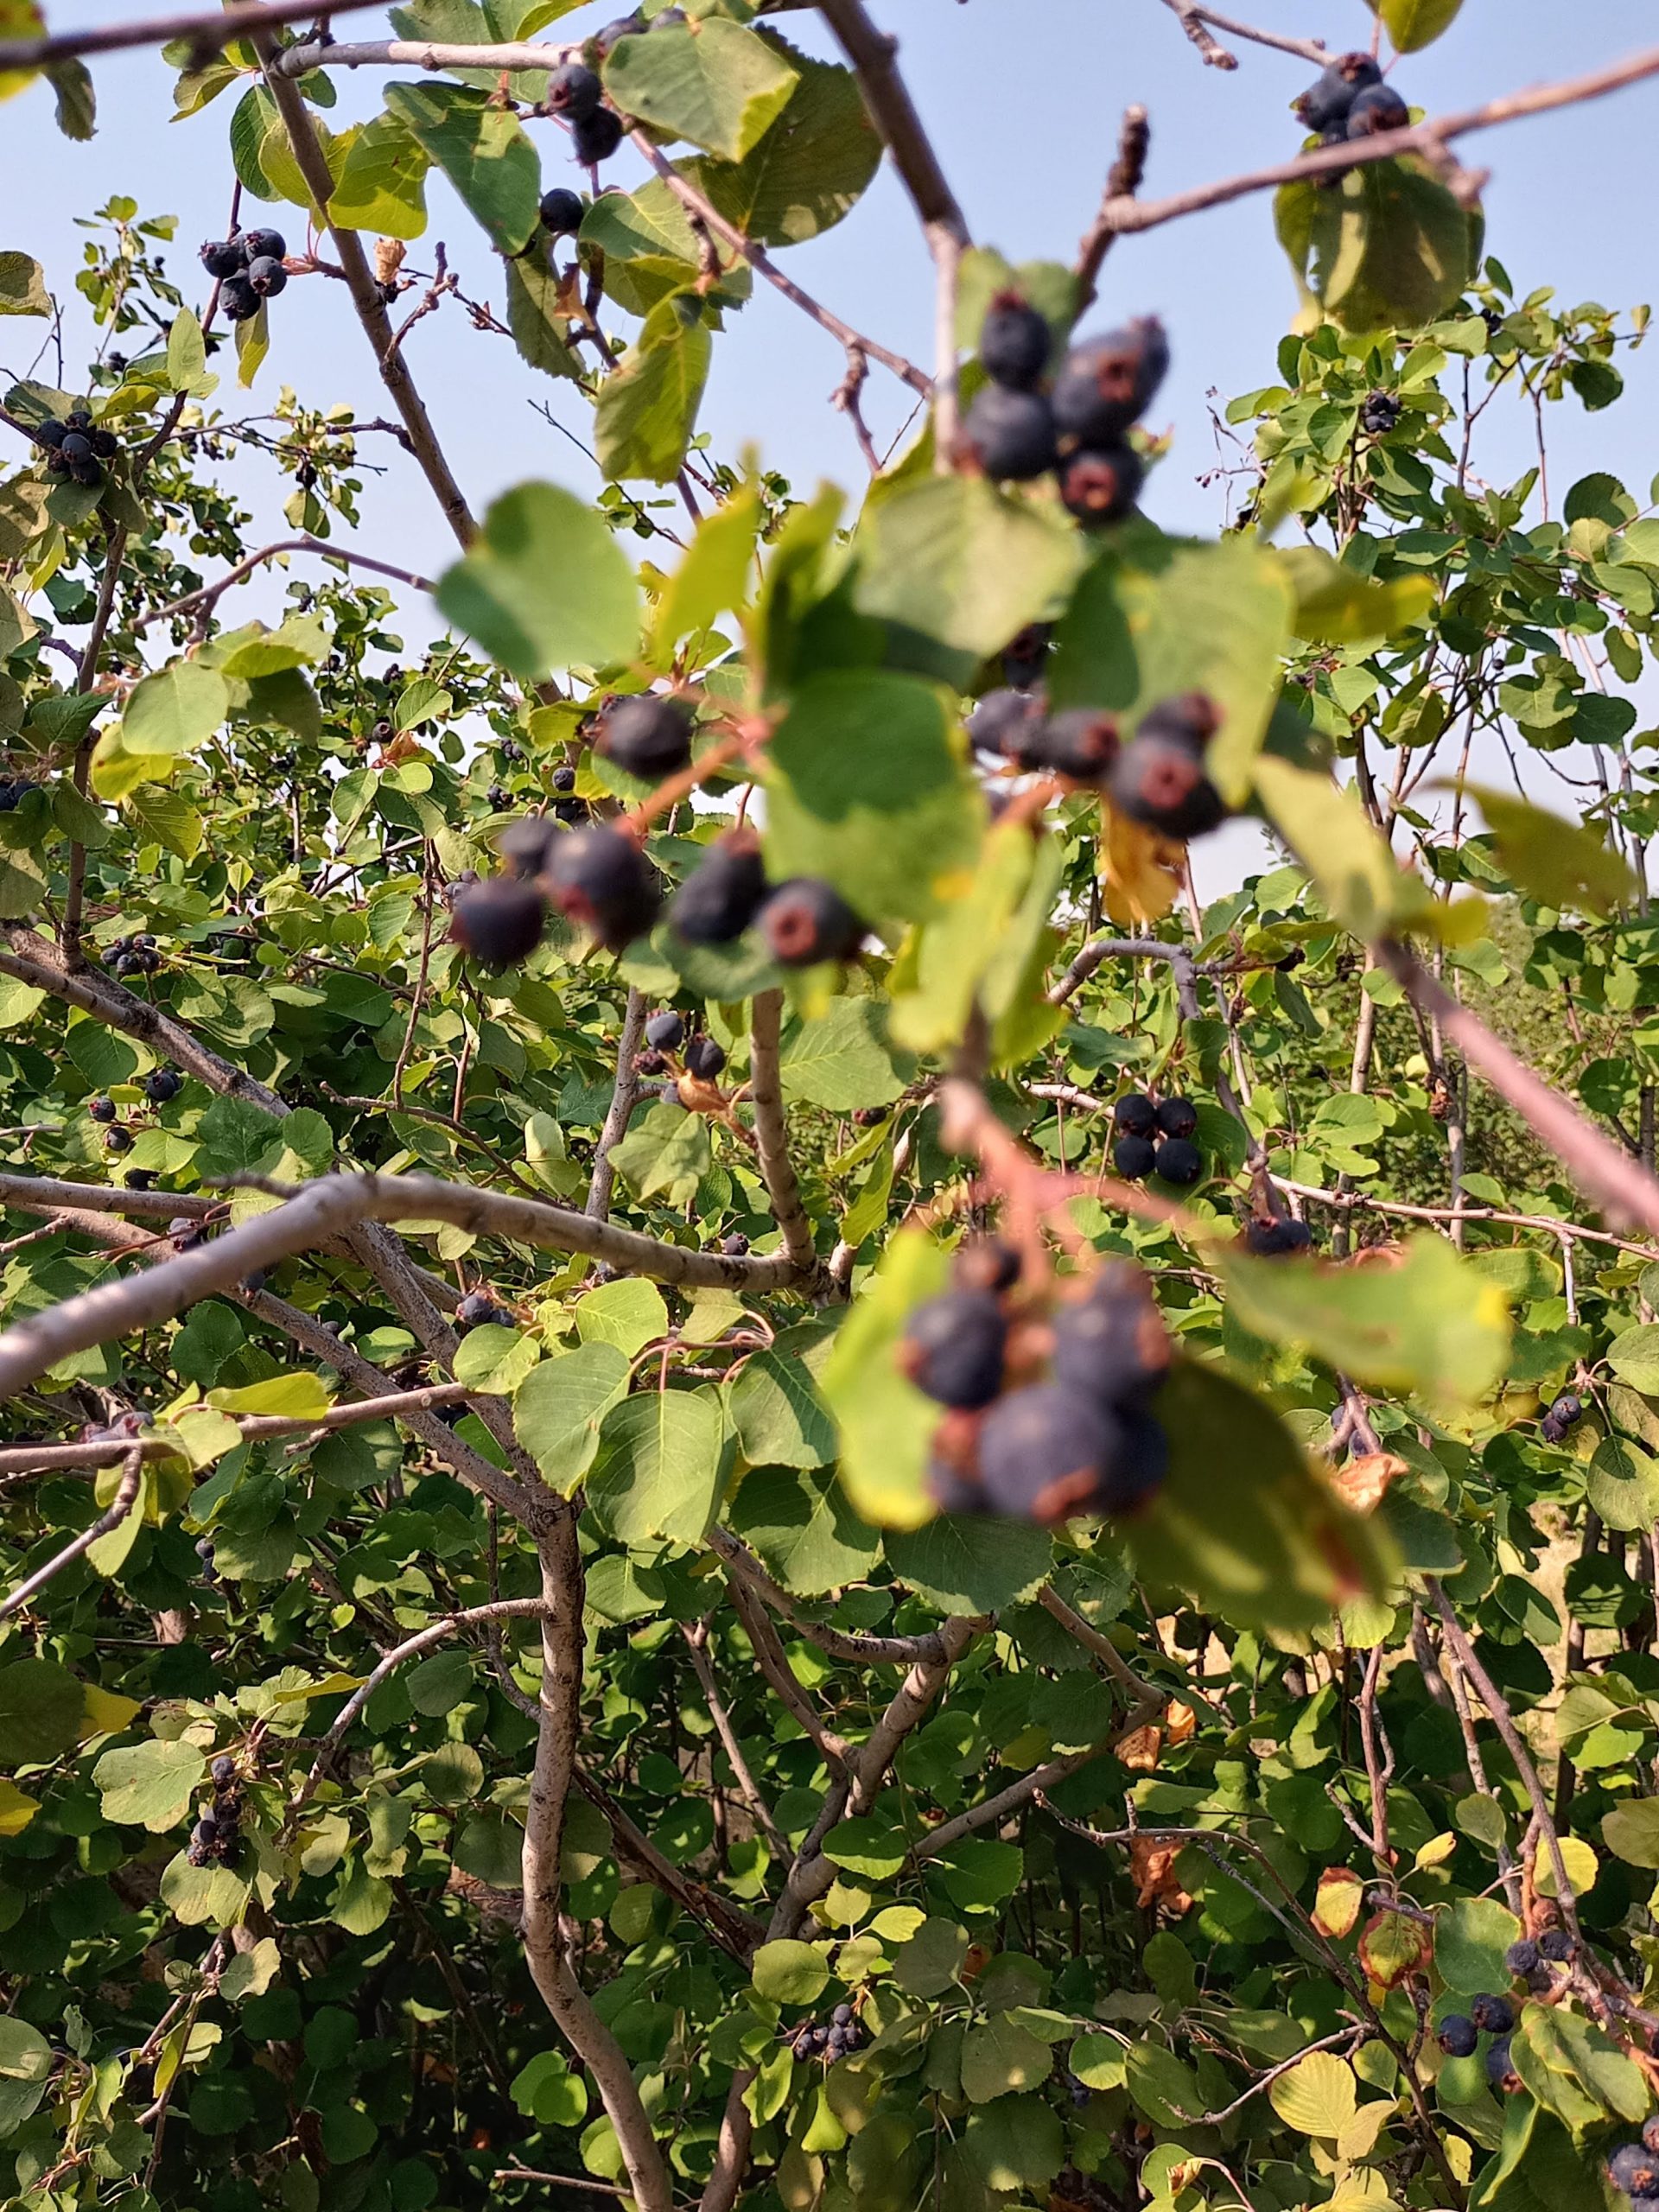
(1156, 1139)
(1379, 414)
(75, 448)
(14, 789)
(1158, 778)
(1634, 2167)
(699, 1058)
(1352, 101)
(1022, 426)
(479, 1310)
(1565, 1415)
(250, 269)
(575, 92)
(216, 1839)
(132, 955)
(1049, 1400)
(838, 2037)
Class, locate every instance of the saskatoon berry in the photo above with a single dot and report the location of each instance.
(50, 433)
(723, 893)
(805, 921)
(223, 1770)
(1521, 1957)
(1108, 382)
(1650, 2133)
(1010, 434)
(953, 1347)
(1007, 722)
(1566, 1410)
(1632, 2168)
(650, 1063)
(185, 1234)
(267, 275)
(1159, 779)
(252, 1284)
(87, 473)
(561, 212)
(1080, 742)
(575, 91)
(648, 736)
(735, 1246)
(1101, 483)
(623, 27)
(668, 19)
(1110, 1344)
(1136, 1115)
(1178, 1117)
(1379, 107)
(1380, 413)
(1556, 1945)
(239, 299)
(1273, 1240)
(1179, 1161)
(596, 136)
(1014, 343)
(1023, 656)
(1458, 2036)
(162, 1085)
(1500, 2071)
(1328, 103)
(1041, 1451)
(570, 811)
(704, 1059)
(564, 779)
(105, 444)
(1494, 2016)
(1134, 1158)
(499, 922)
(524, 845)
(224, 257)
(78, 418)
(1137, 1471)
(117, 1140)
(141, 1179)
(76, 446)
(263, 245)
(498, 796)
(987, 1264)
(101, 1109)
(599, 879)
(665, 1032)
(475, 1309)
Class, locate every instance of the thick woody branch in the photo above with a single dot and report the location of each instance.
(208, 33)
(367, 300)
(209, 592)
(1098, 948)
(736, 1932)
(911, 1700)
(126, 1497)
(771, 1138)
(1429, 137)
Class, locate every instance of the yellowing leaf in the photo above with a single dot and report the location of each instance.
(16, 1810)
(107, 1711)
(1336, 1907)
(1318, 2097)
(298, 1396)
(1140, 869)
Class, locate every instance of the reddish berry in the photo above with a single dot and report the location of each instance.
(1101, 483)
(805, 921)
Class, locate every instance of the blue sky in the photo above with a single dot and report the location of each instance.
(1022, 99)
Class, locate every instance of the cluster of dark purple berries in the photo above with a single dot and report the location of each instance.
(1634, 2167)
(1565, 1415)
(575, 92)
(1048, 1406)
(1158, 777)
(838, 2037)
(668, 1048)
(132, 955)
(1379, 414)
(75, 449)
(216, 1839)
(250, 271)
(1352, 101)
(1021, 426)
(479, 1310)
(1156, 1139)
(14, 789)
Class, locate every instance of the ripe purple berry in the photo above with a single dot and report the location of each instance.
(1458, 2036)
(561, 212)
(267, 275)
(1521, 1957)
(735, 1247)
(1178, 1117)
(1111, 1344)
(599, 879)
(1010, 434)
(116, 1140)
(595, 138)
(101, 1109)
(1329, 102)
(186, 1234)
(1500, 2069)
(263, 246)
(665, 1032)
(704, 1059)
(1379, 107)
(500, 922)
(1013, 342)
(575, 92)
(1007, 722)
(1158, 778)
(723, 893)
(805, 921)
(523, 844)
(1042, 1449)
(1135, 1115)
(953, 1348)
(1107, 383)
(1080, 742)
(1179, 1162)
(1493, 2016)
(224, 257)
(648, 736)
(475, 1309)
(239, 299)
(1272, 1240)
(1556, 1945)
(987, 1263)
(1134, 1158)
(1633, 2169)
(1101, 483)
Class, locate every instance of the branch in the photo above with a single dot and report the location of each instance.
(994, 1810)
(1123, 180)
(158, 1444)
(1429, 137)
(1566, 1232)
(1102, 1647)
(771, 1137)
(116, 1511)
(47, 1194)
(1192, 21)
(86, 676)
(839, 1642)
(1310, 49)
(208, 33)
(1181, 962)
(624, 1099)
(367, 298)
(773, 1663)
(1620, 1186)
(696, 1641)
(209, 592)
(736, 1932)
(415, 53)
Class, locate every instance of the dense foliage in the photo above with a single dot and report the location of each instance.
(603, 1766)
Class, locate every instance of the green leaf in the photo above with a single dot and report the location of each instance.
(558, 1408)
(651, 251)
(1018, 2143)
(22, 286)
(149, 1785)
(77, 103)
(1575, 2069)
(806, 1534)
(1271, 1544)
(382, 185)
(971, 1563)
(998, 2058)
(549, 2093)
(629, 1313)
(533, 317)
(499, 595)
(666, 1152)
(40, 1708)
(297, 1397)
(716, 576)
(176, 710)
(869, 1847)
(718, 84)
(1327, 826)
(1336, 606)
(886, 1424)
(869, 791)
(953, 563)
(664, 1458)
(1562, 863)
(1634, 1355)
(838, 1060)
(1470, 1937)
(26, 2056)
(1413, 24)
(811, 168)
(1386, 246)
(648, 410)
(1429, 1324)
(483, 152)
(789, 1973)
(1630, 1831)
(1623, 1484)
(777, 1414)
(1316, 2097)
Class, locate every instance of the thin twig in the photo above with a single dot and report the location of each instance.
(113, 1515)
(624, 1096)
(1123, 180)
(1192, 21)
(209, 592)
(208, 33)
